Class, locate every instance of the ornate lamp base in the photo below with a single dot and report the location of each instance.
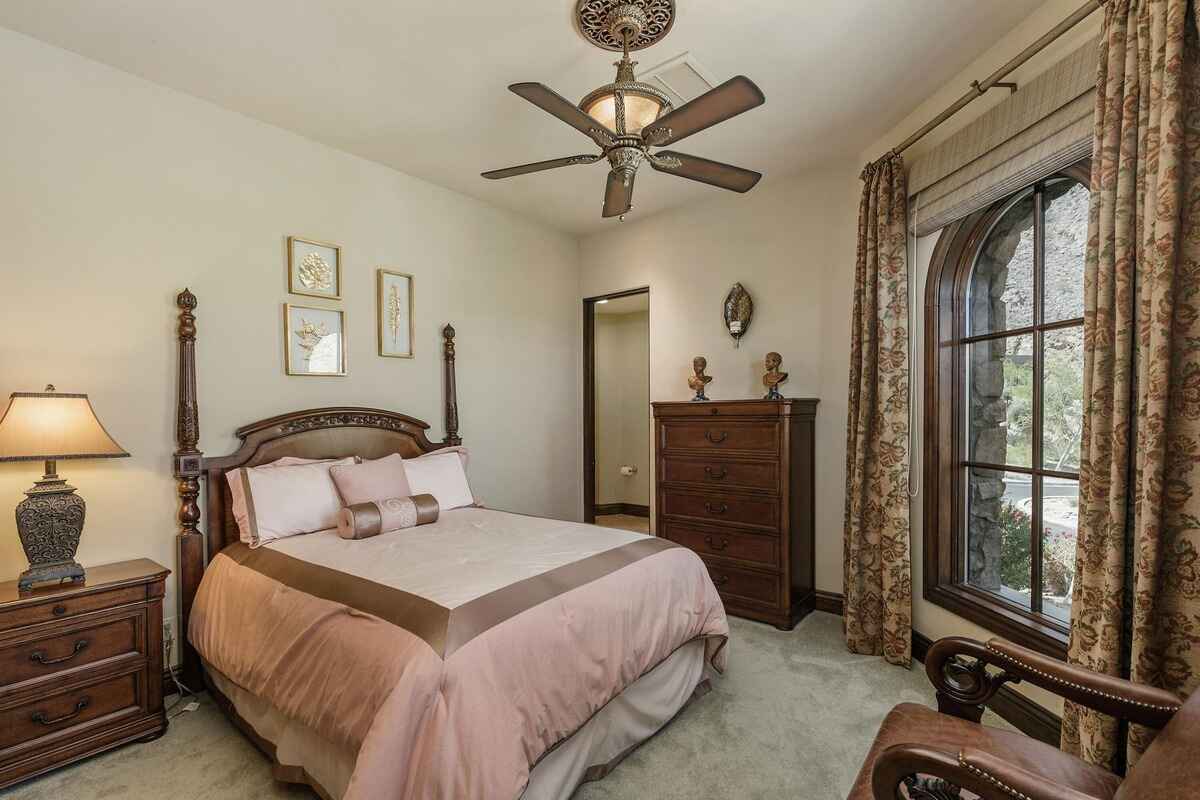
(50, 522)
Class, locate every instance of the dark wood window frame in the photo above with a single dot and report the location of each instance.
(946, 340)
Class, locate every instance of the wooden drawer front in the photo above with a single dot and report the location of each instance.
(66, 710)
(760, 512)
(753, 547)
(721, 435)
(717, 472)
(70, 649)
(759, 587)
(65, 607)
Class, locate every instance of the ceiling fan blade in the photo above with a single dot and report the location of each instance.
(618, 195)
(728, 100)
(554, 103)
(553, 163)
(713, 173)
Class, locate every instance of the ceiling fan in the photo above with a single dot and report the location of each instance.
(627, 117)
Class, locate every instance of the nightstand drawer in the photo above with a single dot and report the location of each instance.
(65, 607)
(68, 648)
(758, 587)
(723, 508)
(61, 713)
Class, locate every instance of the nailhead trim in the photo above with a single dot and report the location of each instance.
(1077, 686)
(1004, 787)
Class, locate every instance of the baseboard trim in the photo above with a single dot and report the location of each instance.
(829, 602)
(1016, 709)
(629, 509)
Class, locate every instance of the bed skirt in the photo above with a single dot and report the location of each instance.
(301, 755)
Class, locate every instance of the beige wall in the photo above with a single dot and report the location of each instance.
(777, 241)
(623, 418)
(117, 193)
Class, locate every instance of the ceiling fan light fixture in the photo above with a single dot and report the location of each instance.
(641, 108)
(628, 117)
(626, 105)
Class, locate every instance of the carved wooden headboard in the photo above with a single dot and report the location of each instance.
(314, 433)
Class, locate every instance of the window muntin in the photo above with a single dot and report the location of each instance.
(1024, 408)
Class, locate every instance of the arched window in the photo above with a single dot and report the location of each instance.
(1004, 411)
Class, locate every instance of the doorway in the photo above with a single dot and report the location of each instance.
(616, 410)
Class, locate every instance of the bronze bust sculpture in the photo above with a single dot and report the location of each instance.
(773, 377)
(699, 380)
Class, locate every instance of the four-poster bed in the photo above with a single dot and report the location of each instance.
(484, 655)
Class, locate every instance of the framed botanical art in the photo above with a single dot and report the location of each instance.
(314, 340)
(395, 314)
(314, 268)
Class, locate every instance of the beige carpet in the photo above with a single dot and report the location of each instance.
(792, 718)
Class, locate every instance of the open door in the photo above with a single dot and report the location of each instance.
(617, 447)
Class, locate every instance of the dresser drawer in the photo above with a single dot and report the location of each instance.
(719, 472)
(64, 607)
(734, 582)
(759, 512)
(721, 435)
(61, 713)
(752, 547)
(69, 648)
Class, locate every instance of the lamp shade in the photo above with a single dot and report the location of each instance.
(47, 426)
(640, 110)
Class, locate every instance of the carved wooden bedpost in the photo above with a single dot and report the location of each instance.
(187, 473)
(452, 437)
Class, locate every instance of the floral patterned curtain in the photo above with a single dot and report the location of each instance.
(878, 581)
(1136, 602)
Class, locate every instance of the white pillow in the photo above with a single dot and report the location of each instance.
(441, 475)
(275, 501)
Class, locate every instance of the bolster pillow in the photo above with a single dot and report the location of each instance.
(364, 520)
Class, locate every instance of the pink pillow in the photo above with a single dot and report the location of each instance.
(463, 454)
(273, 502)
(371, 480)
(442, 475)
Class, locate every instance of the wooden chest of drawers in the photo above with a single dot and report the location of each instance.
(81, 667)
(735, 484)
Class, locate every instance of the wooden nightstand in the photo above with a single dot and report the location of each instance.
(81, 667)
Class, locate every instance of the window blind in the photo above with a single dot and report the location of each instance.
(1045, 126)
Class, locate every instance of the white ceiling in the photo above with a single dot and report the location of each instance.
(420, 85)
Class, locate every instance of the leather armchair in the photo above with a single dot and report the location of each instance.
(930, 755)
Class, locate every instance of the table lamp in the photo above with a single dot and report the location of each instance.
(48, 426)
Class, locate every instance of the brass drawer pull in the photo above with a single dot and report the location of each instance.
(715, 545)
(41, 718)
(720, 508)
(716, 476)
(715, 440)
(40, 655)
(720, 580)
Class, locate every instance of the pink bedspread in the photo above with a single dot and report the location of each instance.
(449, 690)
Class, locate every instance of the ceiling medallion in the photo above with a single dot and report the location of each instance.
(602, 22)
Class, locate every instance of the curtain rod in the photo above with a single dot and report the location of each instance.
(980, 88)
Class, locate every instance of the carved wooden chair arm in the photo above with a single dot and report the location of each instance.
(931, 774)
(964, 687)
